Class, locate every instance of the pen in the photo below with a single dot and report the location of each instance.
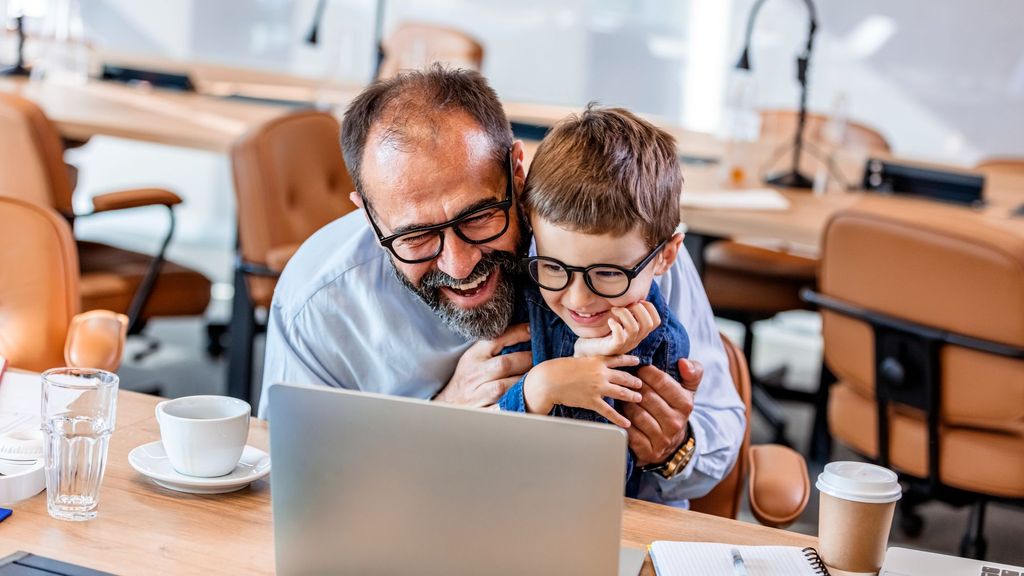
(738, 567)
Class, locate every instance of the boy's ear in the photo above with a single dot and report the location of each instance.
(668, 254)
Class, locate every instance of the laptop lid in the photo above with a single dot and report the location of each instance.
(370, 484)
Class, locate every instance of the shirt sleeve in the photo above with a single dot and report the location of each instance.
(718, 420)
(288, 356)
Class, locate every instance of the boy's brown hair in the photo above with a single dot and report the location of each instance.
(606, 171)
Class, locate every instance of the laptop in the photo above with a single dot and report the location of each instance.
(371, 484)
(905, 562)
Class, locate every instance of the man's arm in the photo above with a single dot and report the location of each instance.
(713, 411)
(287, 359)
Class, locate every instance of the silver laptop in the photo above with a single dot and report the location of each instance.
(905, 562)
(369, 484)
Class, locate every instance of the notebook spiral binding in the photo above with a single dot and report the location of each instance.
(815, 561)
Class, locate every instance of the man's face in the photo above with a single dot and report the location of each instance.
(436, 178)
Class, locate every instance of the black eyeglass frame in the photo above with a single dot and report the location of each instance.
(504, 205)
(630, 273)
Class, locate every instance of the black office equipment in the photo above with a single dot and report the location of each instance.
(893, 178)
(156, 78)
(25, 564)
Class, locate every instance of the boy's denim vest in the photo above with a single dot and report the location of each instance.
(551, 338)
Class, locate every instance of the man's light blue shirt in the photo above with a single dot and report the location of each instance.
(341, 318)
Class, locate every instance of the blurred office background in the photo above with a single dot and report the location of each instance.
(943, 81)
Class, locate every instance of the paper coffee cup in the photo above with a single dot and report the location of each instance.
(855, 515)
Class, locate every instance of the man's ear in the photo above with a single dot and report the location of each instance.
(519, 165)
(356, 199)
(668, 254)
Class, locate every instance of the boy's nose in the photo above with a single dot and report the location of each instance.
(459, 258)
(577, 295)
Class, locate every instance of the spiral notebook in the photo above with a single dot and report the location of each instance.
(704, 559)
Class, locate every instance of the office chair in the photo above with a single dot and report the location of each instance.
(138, 285)
(778, 486)
(923, 321)
(40, 327)
(748, 283)
(415, 45)
(290, 181)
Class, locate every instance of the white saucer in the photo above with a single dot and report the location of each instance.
(151, 461)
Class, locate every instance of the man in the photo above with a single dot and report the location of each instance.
(412, 295)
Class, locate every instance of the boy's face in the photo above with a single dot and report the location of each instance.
(584, 312)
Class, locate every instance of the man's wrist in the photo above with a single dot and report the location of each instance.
(678, 459)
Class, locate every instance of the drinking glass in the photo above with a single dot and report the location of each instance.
(78, 409)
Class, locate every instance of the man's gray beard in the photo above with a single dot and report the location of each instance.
(483, 322)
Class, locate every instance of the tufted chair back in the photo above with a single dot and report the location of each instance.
(290, 180)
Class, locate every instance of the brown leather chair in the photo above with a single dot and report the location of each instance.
(139, 285)
(923, 311)
(748, 283)
(414, 45)
(1001, 166)
(778, 485)
(40, 327)
(290, 181)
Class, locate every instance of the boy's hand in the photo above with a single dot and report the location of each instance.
(582, 383)
(629, 327)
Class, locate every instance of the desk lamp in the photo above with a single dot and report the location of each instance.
(314, 30)
(793, 178)
(19, 68)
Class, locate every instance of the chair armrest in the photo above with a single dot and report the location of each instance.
(96, 340)
(278, 256)
(134, 198)
(779, 487)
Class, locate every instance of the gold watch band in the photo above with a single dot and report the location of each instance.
(679, 459)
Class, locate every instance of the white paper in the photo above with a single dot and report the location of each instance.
(693, 558)
(20, 395)
(751, 199)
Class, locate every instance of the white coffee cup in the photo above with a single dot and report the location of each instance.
(855, 515)
(204, 435)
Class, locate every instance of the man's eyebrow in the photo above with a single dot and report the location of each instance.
(472, 207)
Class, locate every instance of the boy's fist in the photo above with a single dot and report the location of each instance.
(629, 326)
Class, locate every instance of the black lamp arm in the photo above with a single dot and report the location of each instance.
(744, 61)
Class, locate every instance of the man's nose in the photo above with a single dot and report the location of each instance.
(459, 258)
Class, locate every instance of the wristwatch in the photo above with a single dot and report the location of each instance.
(678, 461)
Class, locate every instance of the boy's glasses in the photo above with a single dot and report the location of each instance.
(479, 226)
(605, 280)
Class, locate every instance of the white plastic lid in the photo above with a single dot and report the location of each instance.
(860, 482)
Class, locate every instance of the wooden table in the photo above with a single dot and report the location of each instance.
(143, 528)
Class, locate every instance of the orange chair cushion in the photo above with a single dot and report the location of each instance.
(110, 276)
(741, 277)
(970, 459)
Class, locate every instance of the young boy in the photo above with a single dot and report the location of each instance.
(602, 198)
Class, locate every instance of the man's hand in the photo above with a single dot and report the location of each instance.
(660, 419)
(629, 326)
(483, 374)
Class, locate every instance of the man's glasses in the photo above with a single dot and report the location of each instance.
(605, 280)
(478, 226)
